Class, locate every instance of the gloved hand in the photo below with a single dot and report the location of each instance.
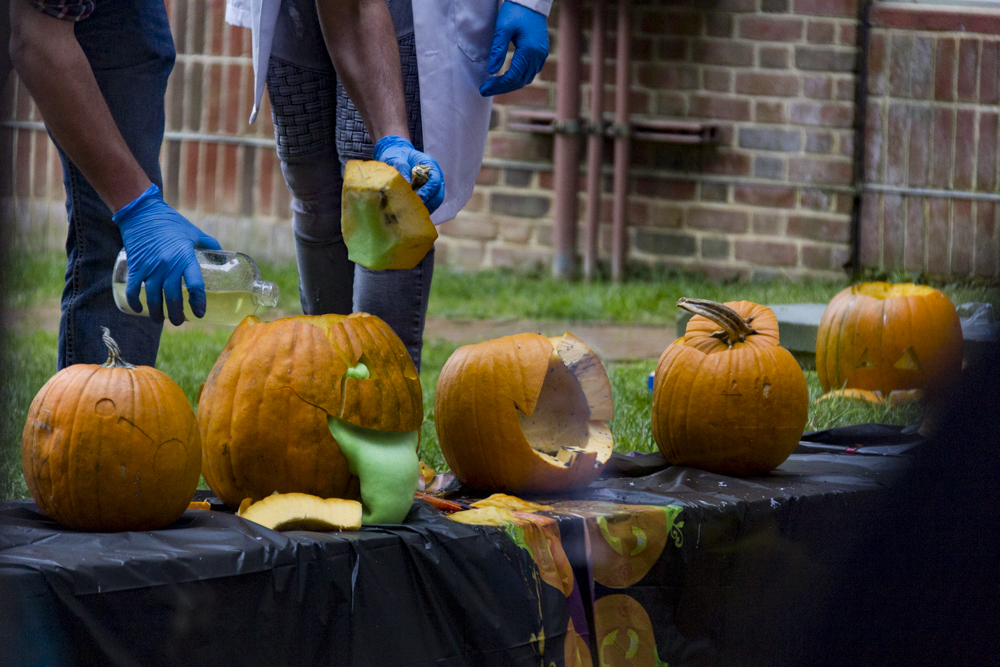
(529, 32)
(398, 152)
(160, 243)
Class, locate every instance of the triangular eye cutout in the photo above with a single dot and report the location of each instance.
(865, 360)
(908, 362)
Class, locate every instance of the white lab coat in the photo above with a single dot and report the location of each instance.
(453, 39)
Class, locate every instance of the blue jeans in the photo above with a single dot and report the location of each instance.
(131, 53)
(317, 130)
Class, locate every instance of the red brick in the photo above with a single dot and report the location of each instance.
(718, 219)
(769, 112)
(965, 149)
(729, 163)
(723, 52)
(846, 8)
(828, 114)
(944, 146)
(767, 223)
(774, 57)
(900, 55)
(913, 255)
(893, 226)
(845, 203)
(671, 104)
(488, 176)
(672, 49)
(765, 195)
(987, 158)
(665, 217)
(718, 25)
(874, 141)
(921, 17)
(825, 59)
(819, 142)
(768, 253)
(234, 84)
(657, 22)
(921, 121)
(657, 75)
(716, 106)
(968, 64)
(639, 100)
(478, 227)
(212, 111)
(520, 147)
(230, 168)
(989, 73)
(816, 257)
(937, 236)
(822, 32)
(719, 80)
(819, 229)
(731, 5)
(895, 168)
(944, 72)
(820, 170)
(764, 28)
(191, 175)
(816, 200)
(771, 85)
(218, 28)
(870, 250)
(817, 87)
(530, 96)
(877, 70)
(848, 34)
(265, 181)
(922, 68)
(714, 192)
(844, 89)
(209, 189)
(663, 188)
(847, 144)
(985, 261)
(962, 236)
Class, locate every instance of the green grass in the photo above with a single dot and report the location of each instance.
(28, 360)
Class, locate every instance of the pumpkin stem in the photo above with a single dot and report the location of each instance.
(735, 329)
(114, 352)
(419, 175)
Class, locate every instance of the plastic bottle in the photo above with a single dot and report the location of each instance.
(233, 288)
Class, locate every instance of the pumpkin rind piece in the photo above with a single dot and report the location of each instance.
(111, 448)
(384, 222)
(301, 511)
(511, 415)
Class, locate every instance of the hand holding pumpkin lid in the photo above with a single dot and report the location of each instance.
(726, 397)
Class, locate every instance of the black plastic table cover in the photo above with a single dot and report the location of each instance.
(651, 564)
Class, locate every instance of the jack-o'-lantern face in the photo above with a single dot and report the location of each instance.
(266, 407)
(625, 634)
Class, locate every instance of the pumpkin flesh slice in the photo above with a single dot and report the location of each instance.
(301, 511)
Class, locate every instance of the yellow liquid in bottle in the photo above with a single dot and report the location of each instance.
(225, 308)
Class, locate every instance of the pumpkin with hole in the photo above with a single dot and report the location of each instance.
(727, 397)
(524, 414)
(884, 337)
(328, 406)
(111, 447)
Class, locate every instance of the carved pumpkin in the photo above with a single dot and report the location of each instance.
(726, 397)
(524, 414)
(112, 447)
(883, 337)
(301, 511)
(384, 222)
(279, 389)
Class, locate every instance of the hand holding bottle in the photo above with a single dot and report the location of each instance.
(160, 245)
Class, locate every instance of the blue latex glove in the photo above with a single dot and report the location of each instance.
(160, 243)
(398, 152)
(529, 32)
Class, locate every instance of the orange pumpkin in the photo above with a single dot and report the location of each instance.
(625, 634)
(524, 414)
(883, 337)
(726, 397)
(111, 447)
(264, 409)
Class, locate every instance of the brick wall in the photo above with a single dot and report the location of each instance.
(774, 195)
(933, 120)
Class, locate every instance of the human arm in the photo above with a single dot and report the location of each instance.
(523, 24)
(159, 241)
(361, 41)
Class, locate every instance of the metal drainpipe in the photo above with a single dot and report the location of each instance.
(861, 122)
(595, 141)
(566, 140)
(620, 131)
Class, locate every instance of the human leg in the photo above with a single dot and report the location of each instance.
(302, 85)
(131, 53)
